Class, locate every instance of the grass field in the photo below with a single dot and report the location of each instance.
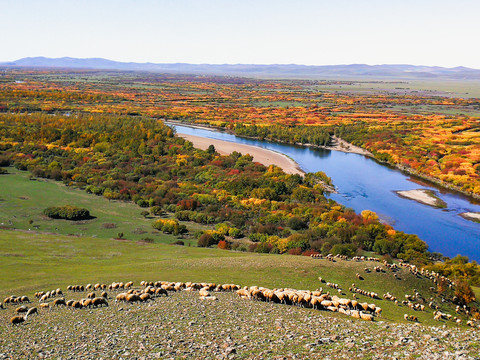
(22, 202)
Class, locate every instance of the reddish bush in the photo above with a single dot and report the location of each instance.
(309, 252)
(224, 245)
(252, 247)
(295, 251)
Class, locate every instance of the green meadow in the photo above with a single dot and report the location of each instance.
(22, 201)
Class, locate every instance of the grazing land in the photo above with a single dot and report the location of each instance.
(24, 198)
(182, 324)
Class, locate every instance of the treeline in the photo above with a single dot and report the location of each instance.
(301, 134)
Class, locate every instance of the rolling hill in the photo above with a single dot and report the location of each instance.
(274, 70)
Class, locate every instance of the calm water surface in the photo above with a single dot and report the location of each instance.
(362, 183)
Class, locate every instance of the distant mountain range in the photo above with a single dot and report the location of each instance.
(301, 71)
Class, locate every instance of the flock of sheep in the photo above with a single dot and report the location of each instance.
(312, 299)
(317, 299)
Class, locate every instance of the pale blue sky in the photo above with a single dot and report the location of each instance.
(418, 32)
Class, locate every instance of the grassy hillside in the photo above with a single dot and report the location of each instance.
(22, 202)
(32, 262)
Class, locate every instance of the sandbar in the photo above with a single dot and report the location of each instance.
(422, 196)
(472, 216)
(263, 156)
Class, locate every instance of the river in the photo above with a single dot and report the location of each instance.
(362, 183)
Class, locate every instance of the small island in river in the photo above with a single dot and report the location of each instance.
(472, 216)
(423, 196)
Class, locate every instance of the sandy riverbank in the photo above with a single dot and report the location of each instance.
(422, 196)
(263, 156)
(338, 144)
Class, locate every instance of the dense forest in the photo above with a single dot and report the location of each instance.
(103, 133)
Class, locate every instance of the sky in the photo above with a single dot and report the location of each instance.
(323, 32)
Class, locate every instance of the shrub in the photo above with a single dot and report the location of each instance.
(179, 242)
(252, 247)
(156, 210)
(169, 226)
(224, 245)
(205, 240)
(296, 223)
(264, 247)
(464, 292)
(142, 203)
(344, 249)
(67, 212)
(295, 251)
(235, 233)
(309, 252)
(257, 237)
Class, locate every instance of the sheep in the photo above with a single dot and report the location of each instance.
(10, 299)
(32, 311)
(77, 305)
(160, 291)
(59, 301)
(203, 292)
(104, 295)
(99, 301)
(366, 317)
(21, 309)
(121, 297)
(145, 297)
(86, 302)
(355, 314)
(44, 305)
(18, 319)
(243, 293)
(91, 295)
(132, 298)
(70, 302)
(378, 311)
(88, 286)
